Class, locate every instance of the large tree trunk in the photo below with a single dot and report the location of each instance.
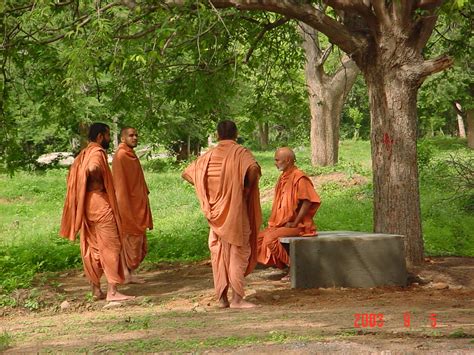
(326, 96)
(326, 108)
(470, 128)
(394, 159)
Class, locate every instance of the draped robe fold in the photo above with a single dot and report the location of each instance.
(292, 188)
(133, 204)
(95, 215)
(234, 217)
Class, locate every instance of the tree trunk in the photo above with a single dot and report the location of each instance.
(263, 135)
(325, 118)
(394, 158)
(115, 132)
(83, 135)
(326, 96)
(470, 128)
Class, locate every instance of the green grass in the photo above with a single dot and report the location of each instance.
(5, 341)
(31, 206)
(157, 344)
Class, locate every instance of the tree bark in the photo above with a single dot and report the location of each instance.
(326, 96)
(470, 128)
(394, 158)
(263, 132)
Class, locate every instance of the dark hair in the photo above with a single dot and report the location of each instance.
(97, 128)
(227, 130)
(122, 131)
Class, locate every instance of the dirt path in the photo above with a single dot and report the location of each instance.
(175, 311)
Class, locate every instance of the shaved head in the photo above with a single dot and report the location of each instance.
(284, 158)
(286, 153)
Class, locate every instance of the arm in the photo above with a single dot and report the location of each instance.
(251, 179)
(94, 176)
(306, 204)
(186, 177)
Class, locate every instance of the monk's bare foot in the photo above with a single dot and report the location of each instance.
(224, 302)
(117, 296)
(285, 278)
(97, 293)
(242, 304)
(134, 280)
(98, 297)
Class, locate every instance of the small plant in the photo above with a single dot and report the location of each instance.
(5, 341)
(89, 297)
(459, 333)
(32, 302)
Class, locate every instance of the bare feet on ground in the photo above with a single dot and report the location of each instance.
(224, 302)
(97, 293)
(132, 279)
(285, 278)
(117, 296)
(242, 304)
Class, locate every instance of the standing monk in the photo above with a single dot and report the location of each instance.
(91, 208)
(132, 198)
(226, 182)
(294, 205)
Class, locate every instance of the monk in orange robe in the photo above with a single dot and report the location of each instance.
(91, 208)
(294, 206)
(226, 182)
(133, 204)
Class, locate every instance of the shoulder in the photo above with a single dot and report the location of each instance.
(119, 153)
(300, 175)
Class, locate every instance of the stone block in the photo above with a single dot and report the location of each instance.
(347, 259)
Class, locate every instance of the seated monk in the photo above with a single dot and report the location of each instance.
(294, 205)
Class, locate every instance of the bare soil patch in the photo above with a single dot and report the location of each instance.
(175, 310)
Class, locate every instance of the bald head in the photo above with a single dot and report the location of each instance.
(284, 158)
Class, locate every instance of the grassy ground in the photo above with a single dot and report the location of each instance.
(31, 205)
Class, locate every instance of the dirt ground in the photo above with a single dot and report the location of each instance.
(175, 311)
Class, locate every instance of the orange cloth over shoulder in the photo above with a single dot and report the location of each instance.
(73, 217)
(131, 191)
(292, 187)
(222, 205)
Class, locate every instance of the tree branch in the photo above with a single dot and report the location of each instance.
(266, 28)
(336, 32)
(359, 7)
(139, 34)
(432, 66)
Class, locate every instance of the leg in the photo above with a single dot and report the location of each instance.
(219, 270)
(97, 293)
(224, 300)
(237, 262)
(273, 253)
(133, 252)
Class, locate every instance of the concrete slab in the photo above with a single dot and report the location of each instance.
(347, 259)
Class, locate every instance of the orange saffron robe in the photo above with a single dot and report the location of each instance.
(132, 198)
(95, 214)
(234, 219)
(293, 186)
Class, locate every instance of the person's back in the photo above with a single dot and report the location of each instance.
(226, 182)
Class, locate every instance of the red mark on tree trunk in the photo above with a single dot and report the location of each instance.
(388, 142)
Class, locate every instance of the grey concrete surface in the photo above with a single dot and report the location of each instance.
(347, 259)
